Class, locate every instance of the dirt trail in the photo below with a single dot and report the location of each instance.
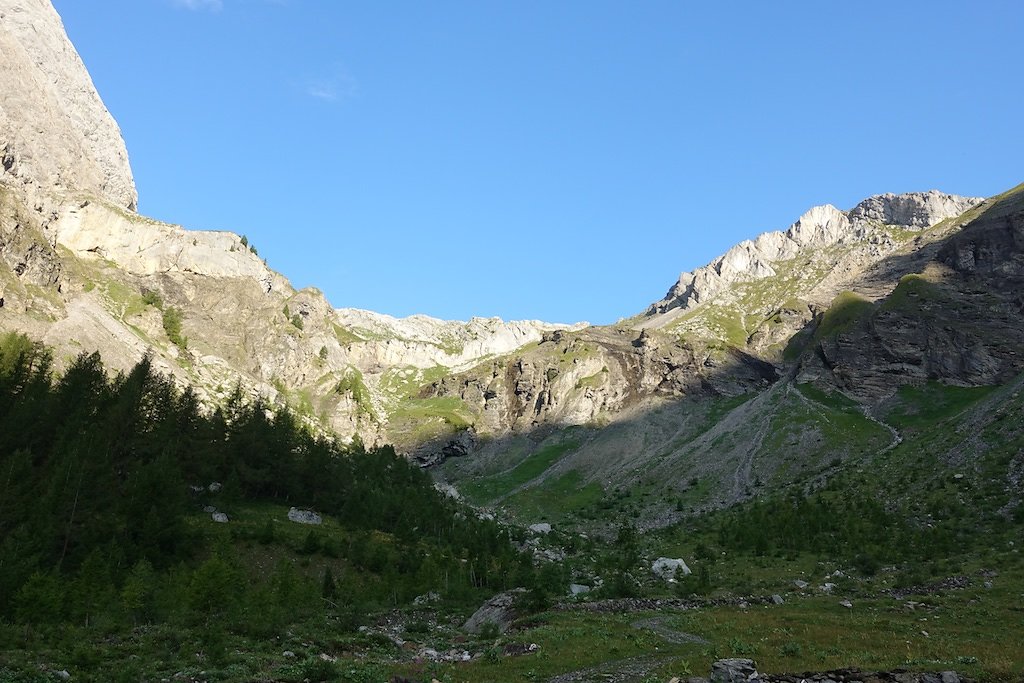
(660, 626)
(792, 390)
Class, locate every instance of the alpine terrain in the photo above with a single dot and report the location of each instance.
(206, 474)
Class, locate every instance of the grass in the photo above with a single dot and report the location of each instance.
(557, 497)
(406, 382)
(427, 418)
(922, 407)
(846, 310)
(910, 293)
(977, 632)
(487, 489)
(345, 336)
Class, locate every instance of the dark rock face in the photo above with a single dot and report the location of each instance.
(960, 322)
(499, 611)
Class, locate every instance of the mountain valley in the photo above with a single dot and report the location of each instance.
(834, 404)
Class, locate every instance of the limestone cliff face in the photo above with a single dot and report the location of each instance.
(424, 342)
(820, 228)
(56, 136)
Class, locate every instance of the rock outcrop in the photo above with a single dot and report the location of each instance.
(818, 228)
(56, 136)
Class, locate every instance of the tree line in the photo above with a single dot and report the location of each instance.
(103, 479)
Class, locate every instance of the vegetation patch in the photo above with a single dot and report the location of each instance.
(487, 489)
(555, 498)
(847, 309)
(911, 292)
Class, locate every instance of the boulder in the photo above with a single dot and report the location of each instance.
(500, 610)
(304, 516)
(733, 671)
(541, 528)
(219, 517)
(667, 568)
(578, 589)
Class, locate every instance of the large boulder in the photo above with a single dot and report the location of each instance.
(669, 569)
(500, 610)
(733, 671)
(304, 516)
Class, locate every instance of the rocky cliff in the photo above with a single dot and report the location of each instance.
(56, 136)
(820, 228)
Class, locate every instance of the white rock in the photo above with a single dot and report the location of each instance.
(219, 517)
(304, 516)
(542, 528)
(667, 568)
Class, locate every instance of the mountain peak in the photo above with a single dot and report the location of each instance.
(819, 227)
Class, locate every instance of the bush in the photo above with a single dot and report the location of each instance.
(172, 326)
(152, 298)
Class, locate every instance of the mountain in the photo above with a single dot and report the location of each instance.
(691, 401)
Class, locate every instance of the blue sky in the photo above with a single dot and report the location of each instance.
(537, 159)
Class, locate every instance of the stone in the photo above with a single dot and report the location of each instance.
(219, 517)
(214, 487)
(827, 587)
(777, 599)
(426, 599)
(668, 569)
(733, 670)
(63, 675)
(949, 677)
(500, 610)
(578, 588)
(303, 516)
(846, 603)
(288, 654)
(801, 584)
(541, 528)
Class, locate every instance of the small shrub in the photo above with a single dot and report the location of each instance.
(152, 298)
(172, 326)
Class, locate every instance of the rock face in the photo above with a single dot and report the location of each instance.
(819, 228)
(56, 136)
(499, 611)
(958, 320)
(423, 342)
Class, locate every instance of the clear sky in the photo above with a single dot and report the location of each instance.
(561, 160)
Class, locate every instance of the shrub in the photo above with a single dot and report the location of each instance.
(172, 326)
